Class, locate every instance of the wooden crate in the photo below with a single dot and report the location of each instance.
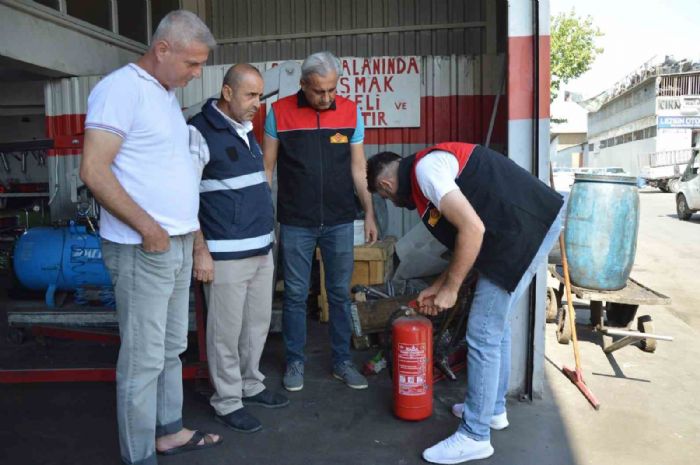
(373, 265)
(371, 317)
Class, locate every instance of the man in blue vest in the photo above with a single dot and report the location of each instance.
(232, 253)
(497, 218)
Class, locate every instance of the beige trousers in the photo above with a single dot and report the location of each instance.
(239, 304)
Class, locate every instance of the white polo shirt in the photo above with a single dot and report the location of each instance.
(436, 173)
(153, 164)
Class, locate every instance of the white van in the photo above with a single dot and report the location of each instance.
(688, 196)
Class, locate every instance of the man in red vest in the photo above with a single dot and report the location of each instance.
(315, 140)
(497, 218)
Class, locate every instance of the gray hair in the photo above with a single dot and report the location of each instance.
(182, 28)
(320, 63)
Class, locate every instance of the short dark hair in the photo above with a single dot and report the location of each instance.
(235, 73)
(376, 166)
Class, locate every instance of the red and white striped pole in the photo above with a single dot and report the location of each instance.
(528, 145)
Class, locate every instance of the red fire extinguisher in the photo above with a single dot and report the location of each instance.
(412, 356)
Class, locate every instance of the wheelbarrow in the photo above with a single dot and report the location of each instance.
(620, 308)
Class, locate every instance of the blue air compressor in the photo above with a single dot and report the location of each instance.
(65, 258)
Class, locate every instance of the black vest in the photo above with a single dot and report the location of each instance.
(314, 175)
(517, 210)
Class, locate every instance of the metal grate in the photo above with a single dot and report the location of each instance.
(680, 84)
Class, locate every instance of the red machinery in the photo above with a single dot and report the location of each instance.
(412, 353)
(194, 370)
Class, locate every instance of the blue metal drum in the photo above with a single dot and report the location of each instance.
(602, 220)
(65, 258)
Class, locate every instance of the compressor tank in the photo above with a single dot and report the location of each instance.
(62, 258)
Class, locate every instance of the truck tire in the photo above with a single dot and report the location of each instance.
(684, 213)
(674, 185)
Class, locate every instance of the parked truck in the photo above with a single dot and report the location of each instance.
(663, 170)
(688, 196)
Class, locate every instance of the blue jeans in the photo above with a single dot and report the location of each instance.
(489, 344)
(298, 245)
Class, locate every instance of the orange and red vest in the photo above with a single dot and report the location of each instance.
(314, 176)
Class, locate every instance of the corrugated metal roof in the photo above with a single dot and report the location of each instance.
(266, 30)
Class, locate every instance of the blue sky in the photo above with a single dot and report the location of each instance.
(634, 31)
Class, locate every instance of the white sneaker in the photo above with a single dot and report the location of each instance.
(498, 422)
(458, 448)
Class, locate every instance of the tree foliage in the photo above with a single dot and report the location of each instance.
(573, 48)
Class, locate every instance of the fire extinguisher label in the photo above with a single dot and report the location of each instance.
(411, 369)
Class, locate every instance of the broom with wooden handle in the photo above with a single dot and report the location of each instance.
(576, 375)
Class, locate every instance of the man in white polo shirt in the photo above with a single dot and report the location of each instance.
(136, 163)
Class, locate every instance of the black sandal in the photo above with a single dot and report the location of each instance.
(193, 444)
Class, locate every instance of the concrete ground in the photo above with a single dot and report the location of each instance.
(648, 414)
(668, 254)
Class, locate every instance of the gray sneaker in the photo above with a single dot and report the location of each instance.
(294, 376)
(347, 373)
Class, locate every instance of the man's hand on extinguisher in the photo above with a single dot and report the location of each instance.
(432, 303)
(428, 306)
(445, 298)
(424, 302)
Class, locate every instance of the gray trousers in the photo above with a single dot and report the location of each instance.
(152, 295)
(239, 304)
